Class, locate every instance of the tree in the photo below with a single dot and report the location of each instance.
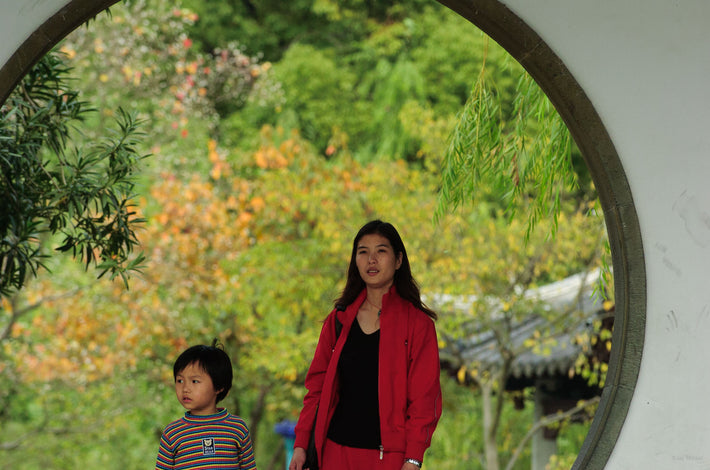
(272, 27)
(351, 68)
(83, 195)
(252, 253)
(506, 270)
(142, 54)
(248, 223)
(526, 161)
(526, 158)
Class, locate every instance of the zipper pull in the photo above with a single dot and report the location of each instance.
(382, 451)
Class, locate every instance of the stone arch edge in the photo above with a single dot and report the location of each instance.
(41, 41)
(623, 228)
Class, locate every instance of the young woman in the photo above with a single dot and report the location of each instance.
(374, 397)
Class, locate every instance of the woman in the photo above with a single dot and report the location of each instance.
(373, 386)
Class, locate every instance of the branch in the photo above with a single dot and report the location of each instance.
(16, 313)
(257, 412)
(546, 421)
(42, 427)
(67, 428)
(500, 398)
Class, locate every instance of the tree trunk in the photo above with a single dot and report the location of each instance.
(490, 447)
(542, 448)
(257, 413)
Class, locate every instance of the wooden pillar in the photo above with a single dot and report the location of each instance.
(544, 445)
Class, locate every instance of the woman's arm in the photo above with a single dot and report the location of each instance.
(423, 389)
(314, 381)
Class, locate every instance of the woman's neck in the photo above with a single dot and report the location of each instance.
(375, 294)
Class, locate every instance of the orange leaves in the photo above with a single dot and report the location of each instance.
(191, 69)
(69, 51)
(273, 154)
(220, 167)
(78, 337)
(349, 183)
(257, 203)
(70, 345)
(271, 158)
(99, 46)
(199, 224)
(5, 305)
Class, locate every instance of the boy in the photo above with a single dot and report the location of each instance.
(207, 437)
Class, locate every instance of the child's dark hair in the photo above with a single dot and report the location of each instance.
(213, 360)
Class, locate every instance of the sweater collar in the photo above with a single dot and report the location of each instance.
(204, 419)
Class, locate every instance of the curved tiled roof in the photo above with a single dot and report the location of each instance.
(572, 299)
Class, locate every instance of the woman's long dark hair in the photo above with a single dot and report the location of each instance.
(407, 287)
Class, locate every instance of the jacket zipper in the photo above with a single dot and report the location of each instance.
(382, 451)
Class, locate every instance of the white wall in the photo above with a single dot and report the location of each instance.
(19, 18)
(645, 66)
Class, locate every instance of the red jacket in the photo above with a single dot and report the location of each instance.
(409, 389)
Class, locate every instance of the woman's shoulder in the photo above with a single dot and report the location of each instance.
(406, 306)
(412, 314)
(420, 317)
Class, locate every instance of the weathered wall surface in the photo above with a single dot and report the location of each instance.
(644, 67)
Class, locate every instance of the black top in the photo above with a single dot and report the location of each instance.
(356, 421)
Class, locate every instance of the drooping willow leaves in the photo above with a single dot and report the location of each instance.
(523, 158)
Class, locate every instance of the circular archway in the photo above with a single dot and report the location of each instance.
(592, 138)
(585, 125)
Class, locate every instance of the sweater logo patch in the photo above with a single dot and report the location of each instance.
(208, 446)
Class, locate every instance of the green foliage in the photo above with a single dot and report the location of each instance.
(450, 71)
(142, 57)
(393, 86)
(69, 427)
(268, 27)
(354, 71)
(308, 76)
(84, 195)
(271, 27)
(527, 160)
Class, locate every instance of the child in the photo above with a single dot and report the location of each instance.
(207, 437)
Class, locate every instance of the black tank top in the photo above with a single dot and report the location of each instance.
(356, 421)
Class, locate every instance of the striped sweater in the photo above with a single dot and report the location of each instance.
(218, 441)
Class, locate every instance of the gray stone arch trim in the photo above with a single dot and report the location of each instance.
(591, 137)
(623, 228)
(41, 41)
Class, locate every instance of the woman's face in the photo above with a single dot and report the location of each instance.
(376, 261)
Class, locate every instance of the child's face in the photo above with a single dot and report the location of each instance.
(195, 390)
